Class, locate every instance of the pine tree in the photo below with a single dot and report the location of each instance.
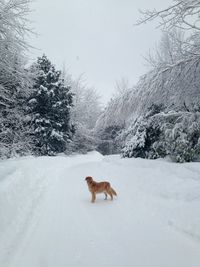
(50, 106)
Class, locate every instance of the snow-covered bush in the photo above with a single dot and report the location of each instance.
(143, 135)
(182, 139)
(176, 134)
(14, 137)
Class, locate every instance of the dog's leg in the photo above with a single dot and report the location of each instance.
(105, 195)
(110, 194)
(93, 197)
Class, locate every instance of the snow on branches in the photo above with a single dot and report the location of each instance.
(49, 108)
(182, 14)
(174, 134)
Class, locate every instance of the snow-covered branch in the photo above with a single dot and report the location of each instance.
(181, 14)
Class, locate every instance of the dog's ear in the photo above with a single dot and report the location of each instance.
(88, 178)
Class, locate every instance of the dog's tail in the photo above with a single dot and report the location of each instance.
(113, 191)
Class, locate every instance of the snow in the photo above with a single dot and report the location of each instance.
(43, 120)
(32, 101)
(56, 134)
(47, 219)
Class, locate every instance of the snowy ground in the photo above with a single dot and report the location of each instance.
(47, 220)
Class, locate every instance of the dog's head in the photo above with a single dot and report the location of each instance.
(88, 178)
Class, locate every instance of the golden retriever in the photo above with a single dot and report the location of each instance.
(101, 187)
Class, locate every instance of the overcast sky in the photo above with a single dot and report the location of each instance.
(96, 38)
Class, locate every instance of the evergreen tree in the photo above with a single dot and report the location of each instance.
(50, 106)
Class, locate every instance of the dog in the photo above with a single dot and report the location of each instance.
(101, 187)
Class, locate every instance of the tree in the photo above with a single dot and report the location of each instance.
(158, 134)
(143, 135)
(170, 50)
(49, 107)
(112, 120)
(84, 113)
(14, 79)
(87, 105)
(13, 29)
(173, 82)
(182, 138)
(182, 15)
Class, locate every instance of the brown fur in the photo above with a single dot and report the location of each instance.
(102, 187)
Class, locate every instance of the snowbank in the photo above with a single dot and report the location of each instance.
(46, 218)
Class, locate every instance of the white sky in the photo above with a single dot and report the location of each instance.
(95, 38)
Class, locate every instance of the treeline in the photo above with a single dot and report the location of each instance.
(43, 111)
(160, 116)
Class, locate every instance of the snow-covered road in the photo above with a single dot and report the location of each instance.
(47, 220)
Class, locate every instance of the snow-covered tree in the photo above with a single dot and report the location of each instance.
(170, 50)
(176, 134)
(184, 16)
(14, 79)
(87, 105)
(13, 29)
(142, 134)
(85, 113)
(118, 110)
(172, 83)
(180, 14)
(114, 117)
(49, 108)
(182, 138)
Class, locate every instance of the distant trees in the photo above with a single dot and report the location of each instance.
(87, 105)
(118, 109)
(107, 142)
(112, 119)
(84, 114)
